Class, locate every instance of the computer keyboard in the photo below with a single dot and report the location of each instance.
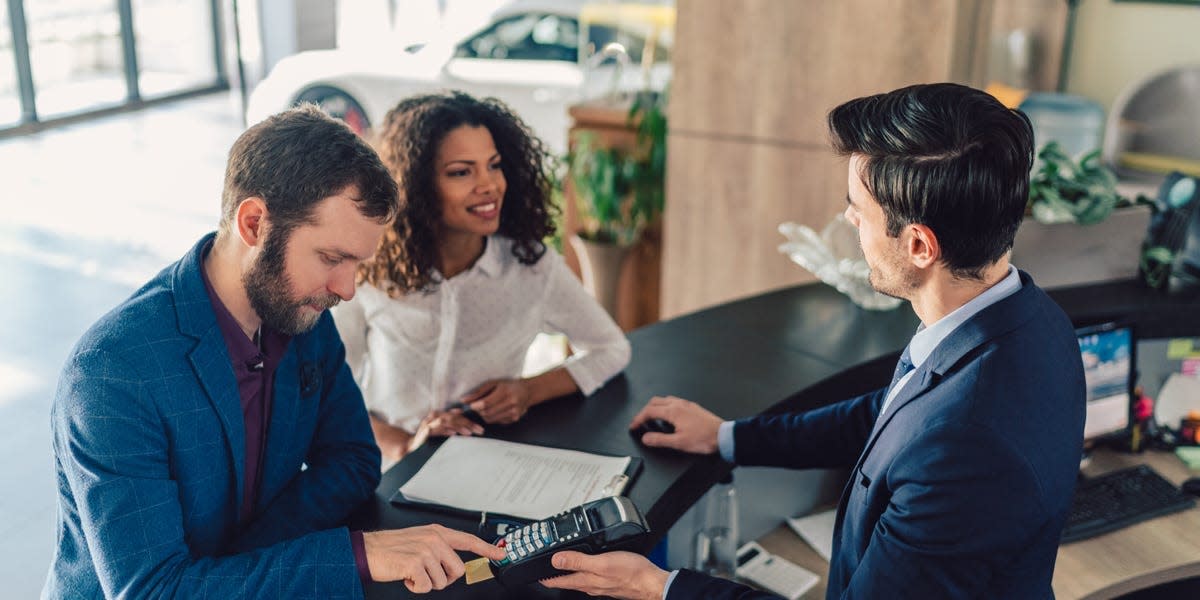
(1119, 499)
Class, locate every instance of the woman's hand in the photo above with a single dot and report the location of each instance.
(443, 424)
(501, 401)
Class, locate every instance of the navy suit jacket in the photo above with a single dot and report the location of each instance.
(149, 449)
(962, 489)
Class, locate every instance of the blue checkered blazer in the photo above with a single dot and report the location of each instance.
(149, 449)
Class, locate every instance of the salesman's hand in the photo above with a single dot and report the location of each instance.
(695, 427)
(501, 401)
(423, 556)
(617, 574)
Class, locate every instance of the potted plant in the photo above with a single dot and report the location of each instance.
(620, 192)
(1078, 228)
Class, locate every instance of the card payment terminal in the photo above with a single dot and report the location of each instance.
(612, 523)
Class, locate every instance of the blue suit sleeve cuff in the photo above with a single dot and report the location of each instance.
(725, 441)
(670, 578)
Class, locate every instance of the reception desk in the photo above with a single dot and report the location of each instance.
(790, 350)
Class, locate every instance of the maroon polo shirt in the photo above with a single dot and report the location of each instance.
(254, 363)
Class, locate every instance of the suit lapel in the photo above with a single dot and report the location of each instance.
(285, 406)
(210, 357)
(210, 360)
(921, 380)
(986, 325)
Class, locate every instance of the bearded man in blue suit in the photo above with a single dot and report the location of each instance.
(208, 438)
(964, 467)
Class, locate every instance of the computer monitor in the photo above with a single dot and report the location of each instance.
(1108, 352)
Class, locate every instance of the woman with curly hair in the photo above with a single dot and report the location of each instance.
(462, 283)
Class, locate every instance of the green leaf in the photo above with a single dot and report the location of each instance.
(1062, 191)
(620, 192)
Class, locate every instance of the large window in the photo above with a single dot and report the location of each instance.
(65, 57)
(75, 55)
(174, 45)
(10, 98)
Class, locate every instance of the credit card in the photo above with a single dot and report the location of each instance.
(478, 570)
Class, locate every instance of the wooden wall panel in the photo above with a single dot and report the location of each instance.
(753, 83)
(771, 69)
(728, 197)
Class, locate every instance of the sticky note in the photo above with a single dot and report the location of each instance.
(1190, 455)
(1190, 367)
(1181, 348)
(478, 570)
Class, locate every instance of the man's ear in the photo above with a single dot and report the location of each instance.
(923, 247)
(250, 221)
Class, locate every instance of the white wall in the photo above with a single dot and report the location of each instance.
(1117, 44)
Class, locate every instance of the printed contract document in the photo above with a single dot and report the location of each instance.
(531, 482)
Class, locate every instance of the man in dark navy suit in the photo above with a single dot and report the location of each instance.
(964, 466)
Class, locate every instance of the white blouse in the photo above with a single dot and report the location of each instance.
(426, 351)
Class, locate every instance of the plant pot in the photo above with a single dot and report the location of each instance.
(600, 265)
(1067, 254)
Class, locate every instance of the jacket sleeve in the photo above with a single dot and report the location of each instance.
(601, 349)
(343, 460)
(690, 584)
(961, 496)
(828, 437)
(114, 453)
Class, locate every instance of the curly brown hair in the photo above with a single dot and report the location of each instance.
(408, 144)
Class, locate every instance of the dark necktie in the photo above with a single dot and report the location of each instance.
(903, 366)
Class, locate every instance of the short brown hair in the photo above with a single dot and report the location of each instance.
(296, 159)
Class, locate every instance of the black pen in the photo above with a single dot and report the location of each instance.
(468, 412)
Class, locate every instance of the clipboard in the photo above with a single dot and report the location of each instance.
(618, 485)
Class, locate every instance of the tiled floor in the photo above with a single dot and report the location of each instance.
(87, 213)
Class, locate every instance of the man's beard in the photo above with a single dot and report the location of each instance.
(899, 280)
(268, 288)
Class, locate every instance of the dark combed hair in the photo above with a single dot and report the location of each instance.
(412, 133)
(946, 156)
(296, 159)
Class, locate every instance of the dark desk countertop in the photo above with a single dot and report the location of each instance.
(793, 349)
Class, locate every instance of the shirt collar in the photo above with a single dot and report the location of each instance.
(490, 263)
(244, 353)
(927, 339)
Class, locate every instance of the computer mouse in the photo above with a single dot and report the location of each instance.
(1191, 486)
(655, 425)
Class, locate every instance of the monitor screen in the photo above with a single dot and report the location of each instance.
(1108, 367)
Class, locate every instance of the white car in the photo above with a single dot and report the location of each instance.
(528, 55)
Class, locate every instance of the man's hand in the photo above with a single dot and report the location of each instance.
(617, 574)
(423, 556)
(501, 401)
(695, 427)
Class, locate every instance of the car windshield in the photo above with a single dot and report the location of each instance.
(525, 37)
(548, 37)
(599, 36)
